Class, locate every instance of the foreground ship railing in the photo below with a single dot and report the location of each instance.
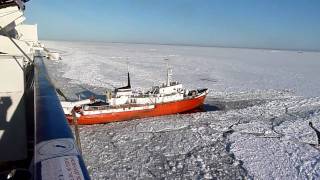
(35, 139)
(56, 154)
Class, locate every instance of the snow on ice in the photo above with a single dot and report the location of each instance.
(256, 126)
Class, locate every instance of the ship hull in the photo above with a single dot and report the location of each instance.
(159, 110)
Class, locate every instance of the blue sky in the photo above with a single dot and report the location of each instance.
(277, 24)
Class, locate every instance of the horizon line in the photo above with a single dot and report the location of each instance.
(187, 44)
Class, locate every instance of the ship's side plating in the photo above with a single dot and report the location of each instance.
(127, 113)
(35, 140)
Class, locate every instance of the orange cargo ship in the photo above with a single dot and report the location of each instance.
(123, 104)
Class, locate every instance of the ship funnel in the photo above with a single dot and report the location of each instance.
(129, 84)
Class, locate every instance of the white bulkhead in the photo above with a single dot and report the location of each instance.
(120, 97)
(170, 89)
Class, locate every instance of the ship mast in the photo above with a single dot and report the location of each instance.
(169, 73)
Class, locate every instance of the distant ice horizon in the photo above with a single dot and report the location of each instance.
(186, 44)
(217, 68)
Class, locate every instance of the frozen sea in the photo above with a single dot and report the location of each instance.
(255, 127)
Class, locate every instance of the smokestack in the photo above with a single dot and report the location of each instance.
(129, 84)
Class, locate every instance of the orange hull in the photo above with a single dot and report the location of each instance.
(159, 110)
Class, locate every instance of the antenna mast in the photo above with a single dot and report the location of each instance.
(169, 73)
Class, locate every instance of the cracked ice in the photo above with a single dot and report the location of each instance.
(265, 100)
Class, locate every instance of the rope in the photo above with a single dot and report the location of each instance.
(76, 129)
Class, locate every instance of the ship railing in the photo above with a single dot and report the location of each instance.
(56, 154)
(108, 107)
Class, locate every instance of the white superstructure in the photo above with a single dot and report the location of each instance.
(167, 92)
(18, 44)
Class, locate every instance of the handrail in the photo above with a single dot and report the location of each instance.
(56, 154)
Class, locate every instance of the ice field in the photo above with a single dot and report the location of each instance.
(257, 124)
